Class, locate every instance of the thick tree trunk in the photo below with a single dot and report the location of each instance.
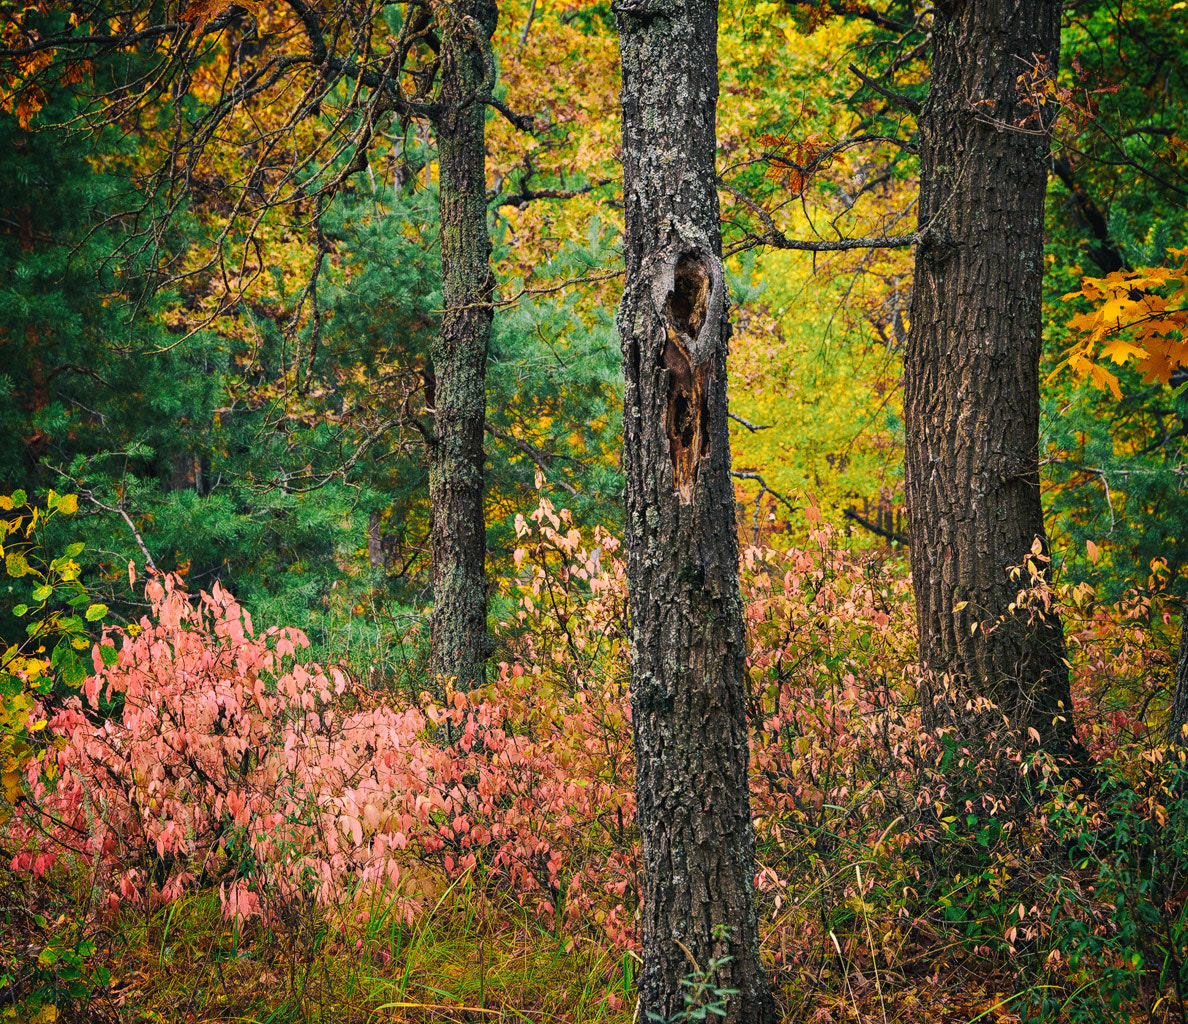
(460, 642)
(971, 379)
(689, 710)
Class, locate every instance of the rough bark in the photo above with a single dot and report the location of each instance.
(689, 710)
(460, 643)
(971, 377)
(1179, 705)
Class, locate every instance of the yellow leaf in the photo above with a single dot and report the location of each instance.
(1103, 379)
(1119, 350)
(10, 782)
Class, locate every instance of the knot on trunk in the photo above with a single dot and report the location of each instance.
(689, 295)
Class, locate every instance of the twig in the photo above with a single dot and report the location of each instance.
(504, 303)
(752, 427)
(539, 458)
(119, 511)
(521, 199)
(866, 524)
(746, 474)
(527, 26)
(897, 98)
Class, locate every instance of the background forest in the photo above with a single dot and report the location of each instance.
(261, 757)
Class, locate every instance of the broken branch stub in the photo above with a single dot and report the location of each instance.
(689, 294)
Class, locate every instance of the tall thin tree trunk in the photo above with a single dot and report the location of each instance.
(1179, 705)
(460, 642)
(971, 377)
(687, 671)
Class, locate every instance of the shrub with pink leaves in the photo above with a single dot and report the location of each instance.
(205, 755)
(208, 755)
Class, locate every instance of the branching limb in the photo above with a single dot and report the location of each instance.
(746, 474)
(874, 528)
(522, 122)
(773, 237)
(527, 195)
(906, 102)
(117, 510)
(540, 459)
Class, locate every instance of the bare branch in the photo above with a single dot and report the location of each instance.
(752, 427)
(866, 524)
(746, 474)
(527, 195)
(114, 510)
(522, 122)
(539, 458)
(898, 99)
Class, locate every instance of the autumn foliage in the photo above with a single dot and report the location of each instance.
(1136, 315)
(206, 754)
(225, 760)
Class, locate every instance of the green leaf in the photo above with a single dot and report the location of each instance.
(109, 655)
(74, 675)
(20, 610)
(17, 566)
(19, 498)
(96, 612)
(75, 549)
(42, 592)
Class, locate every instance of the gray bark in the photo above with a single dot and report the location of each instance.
(460, 642)
(688, 697)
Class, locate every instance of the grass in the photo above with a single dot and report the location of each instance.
(468, 960)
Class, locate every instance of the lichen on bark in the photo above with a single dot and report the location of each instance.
(460, 643)
(688, 690)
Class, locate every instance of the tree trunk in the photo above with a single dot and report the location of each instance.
(1179, 705)
(460, 642)
(971, 376)
(687, 670)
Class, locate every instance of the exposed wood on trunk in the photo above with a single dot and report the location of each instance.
(688, 689)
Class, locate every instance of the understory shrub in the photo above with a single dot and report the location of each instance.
(203, 754)
(232, 763)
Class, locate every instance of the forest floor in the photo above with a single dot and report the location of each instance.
(467, 961)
